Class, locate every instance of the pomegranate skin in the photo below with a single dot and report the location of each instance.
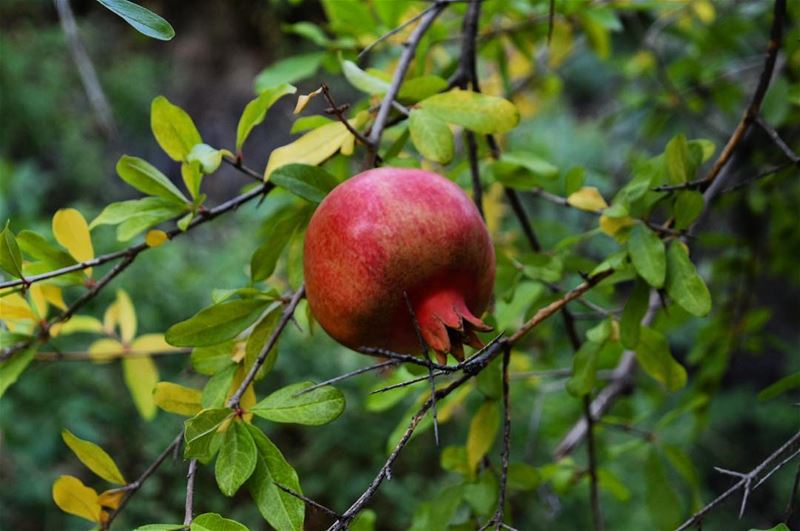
(389, 232)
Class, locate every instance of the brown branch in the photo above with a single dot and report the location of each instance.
(288, 312)
(189, 508)
(338, 111)
(750, 481)
(132, 488)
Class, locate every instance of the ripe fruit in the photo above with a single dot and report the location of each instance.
(393, 231)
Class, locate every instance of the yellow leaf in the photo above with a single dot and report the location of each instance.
(106, 349)
(127, 317)
(151, 344)
(80, 323)
(587, 198)
(561, 44)
(74, 497)
(53, 295)
(311, 148)
(71, 231)
(95, 458)
(156, 238)
(482, 432)
(303, 100)
(248, 399)
(110, 318)
(178, 399)
(704, 10)
(15, 307)
(612, 226)
(111, 498)
(141, 376)
(494, 208)
(39, 302)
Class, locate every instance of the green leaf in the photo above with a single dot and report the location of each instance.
(419, 88)
(365, 521)
(662, 502)
(258, 339)
(173, 128)
(312, 183)
(206, 156)
(680, 166)
(307, 123)
(647, 254)
(431, 136)
(482, 432)
(609, 482)
(704, 148)
(37, 247)
(454, 459)
(535, 164)
(212, 359)
(147, 179)
(362, 80)
(216, 390)
(584, 369)
(214, 522)
(287, 71)
(255, 111)
(490, 380)
(280, 509)
(474, 111)
(160, 527)
(10, 257)
(13, 367)
(136, 215)
(314, 408)
(683, 284)
(654, 356)
(178, 399)
(779, 527)
(277, 232)
(481, 494)
(236, 460)
(522, 476)
(95, 458)
(192, 175)
(574, 179)
(143, 20)
(200, 431)
(437, 513)
(633, 313)
(216, 324)
(689, 204)
(786, 383)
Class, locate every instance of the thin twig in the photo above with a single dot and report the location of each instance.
(188, 514)
(397, 79)
(792, 496)
(407, 382)
(594, 491)
(424, 345)
(499, 514)
(132, 488)
(347, 375)
(288, 312)
(394, 31)
(747, 480)
(777, 140)
(309, 501)
(338, 111)
(551, 15)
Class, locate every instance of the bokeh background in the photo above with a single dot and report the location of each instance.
(603, 112)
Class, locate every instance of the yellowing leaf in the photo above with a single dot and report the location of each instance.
(110, 318)
(72, 231)
(53, 295)
(74, 497)
(106, 349)
(248, 399)
(178, 399)
(15, 307)
(303, 100)
(95, 458)
(111, 498)
(482, 432)
(127, 317)
(155, 238)
(704, 10)
(587, 198)
(312, 148)
(151, 344)
(141, 376)
(39, 302)
(80, 323)
(612, 226)
(494, 208)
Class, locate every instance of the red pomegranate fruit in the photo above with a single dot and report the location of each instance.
(389, 233)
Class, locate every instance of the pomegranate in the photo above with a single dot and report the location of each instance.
(391, 233)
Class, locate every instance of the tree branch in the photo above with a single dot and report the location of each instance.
(188, 510)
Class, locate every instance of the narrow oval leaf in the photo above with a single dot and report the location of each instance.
(218, 386)
(584, 369)
(474, 111)
(660, 497)
(137, 215)
(587, 198)
(314, 408)
(419, 88)
(309, 182)
(148, 179)
(215, 324)
(289, 70)
(683, 284)
(10, 257)
(141, 376)
(210, 360)
(175, 398)
(257, 341)
(431, 136)
(161, 527)
(236, 459)
(142, 20)
(39, 248)
(482, 433)
(73, 497)
(689, 204)
(13, 367)
(200, 432)
(255, 111)
(126, 314)
(647, 254)
(786, 383)
(279, 508)
(71, 231)
(95, 458)
(276, 236)
(312, 148)
(680, 166)
(214, 522)
(206, 156)
(654, 356)
(633, 313)
(173, 128)
(362, 80)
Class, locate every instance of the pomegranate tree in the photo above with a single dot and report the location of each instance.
(389, 233)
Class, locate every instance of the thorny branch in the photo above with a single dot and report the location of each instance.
(188, 515)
